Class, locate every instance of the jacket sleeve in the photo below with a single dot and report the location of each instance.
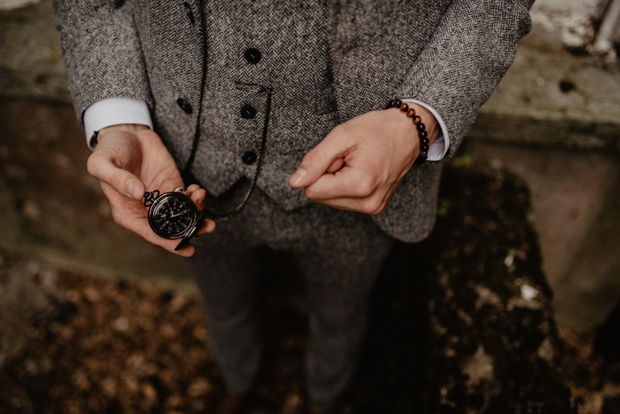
(466, 57)
(468, 53)
(101, 50)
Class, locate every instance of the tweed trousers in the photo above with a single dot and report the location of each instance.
(339, 253)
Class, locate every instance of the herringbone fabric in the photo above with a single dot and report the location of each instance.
(447, 53)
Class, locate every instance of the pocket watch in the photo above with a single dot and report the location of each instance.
(173, 215)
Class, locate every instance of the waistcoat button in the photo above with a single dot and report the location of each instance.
(248, 112)
(249, 158)
(185, 106)
(252, 55)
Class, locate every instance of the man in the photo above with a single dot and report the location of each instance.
(275, 109)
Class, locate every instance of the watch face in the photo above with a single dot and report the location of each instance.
(172, 215)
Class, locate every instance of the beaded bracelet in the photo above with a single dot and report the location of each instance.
(420, 127)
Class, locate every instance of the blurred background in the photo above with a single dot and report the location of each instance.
(554, 121)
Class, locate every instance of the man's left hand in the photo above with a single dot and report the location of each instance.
(360, 163)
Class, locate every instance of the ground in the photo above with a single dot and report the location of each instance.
(470, 331)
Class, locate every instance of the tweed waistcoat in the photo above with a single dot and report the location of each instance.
(267, 95)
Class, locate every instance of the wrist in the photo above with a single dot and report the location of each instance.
(417, 125)
(441, 139)
(98, 135)
(428, 119)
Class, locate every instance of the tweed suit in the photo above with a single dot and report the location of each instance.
(449, 54)
(322, 63)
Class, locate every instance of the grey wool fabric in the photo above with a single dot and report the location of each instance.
(240, 90)
(449, 54)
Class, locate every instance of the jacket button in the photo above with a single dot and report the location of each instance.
(252, 55)
(248, 112)
(185, 106)
(249, 158)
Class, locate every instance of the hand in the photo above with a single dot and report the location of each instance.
(360, 163)
(130, 159)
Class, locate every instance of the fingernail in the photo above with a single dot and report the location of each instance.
(298, 176)
(130, 188)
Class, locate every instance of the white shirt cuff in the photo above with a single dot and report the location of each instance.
(440, 147)
(122, 110)
(114, 111)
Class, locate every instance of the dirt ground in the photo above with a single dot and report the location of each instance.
(119, 347)
(72, 342)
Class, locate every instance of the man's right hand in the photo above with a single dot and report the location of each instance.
(129, 160)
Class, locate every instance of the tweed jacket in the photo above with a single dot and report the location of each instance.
(449, 54)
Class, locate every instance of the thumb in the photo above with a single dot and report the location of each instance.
(326, 157)
(122, 181)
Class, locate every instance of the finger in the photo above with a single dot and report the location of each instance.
(320, 159)
(198, 195)
(124, 182)
(366, 205)
(186, 251)
(336, 166)
(373, 204)
(192, 188)
(171, 245)
(349, 182)
(208, 226)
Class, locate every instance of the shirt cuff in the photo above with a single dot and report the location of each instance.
(114, 111)
(440, 147)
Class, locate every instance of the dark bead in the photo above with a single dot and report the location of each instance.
(424, 148)
(185, 106)
(252, 55)
(421, 126)
(404, 107)
(422, 134)
(424, 141)
(248, 112)
(249, 157)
